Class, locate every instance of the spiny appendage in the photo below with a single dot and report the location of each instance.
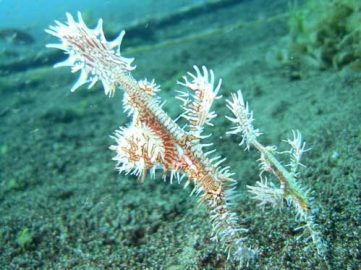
(289, 189)
(225, 223)
(134, 102)
(91, 54)
(217, 191)
(149, 87)
(137, 150)
(243, 119)
(198, 101)
(144, 146)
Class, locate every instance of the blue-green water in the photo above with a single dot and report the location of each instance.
(64, 206)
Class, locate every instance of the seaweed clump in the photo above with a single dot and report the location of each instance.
(324, 34)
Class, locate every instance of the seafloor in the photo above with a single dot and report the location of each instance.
(63, 206)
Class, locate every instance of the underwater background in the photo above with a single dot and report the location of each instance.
(63, 205)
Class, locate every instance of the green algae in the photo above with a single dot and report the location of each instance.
(326, 34)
